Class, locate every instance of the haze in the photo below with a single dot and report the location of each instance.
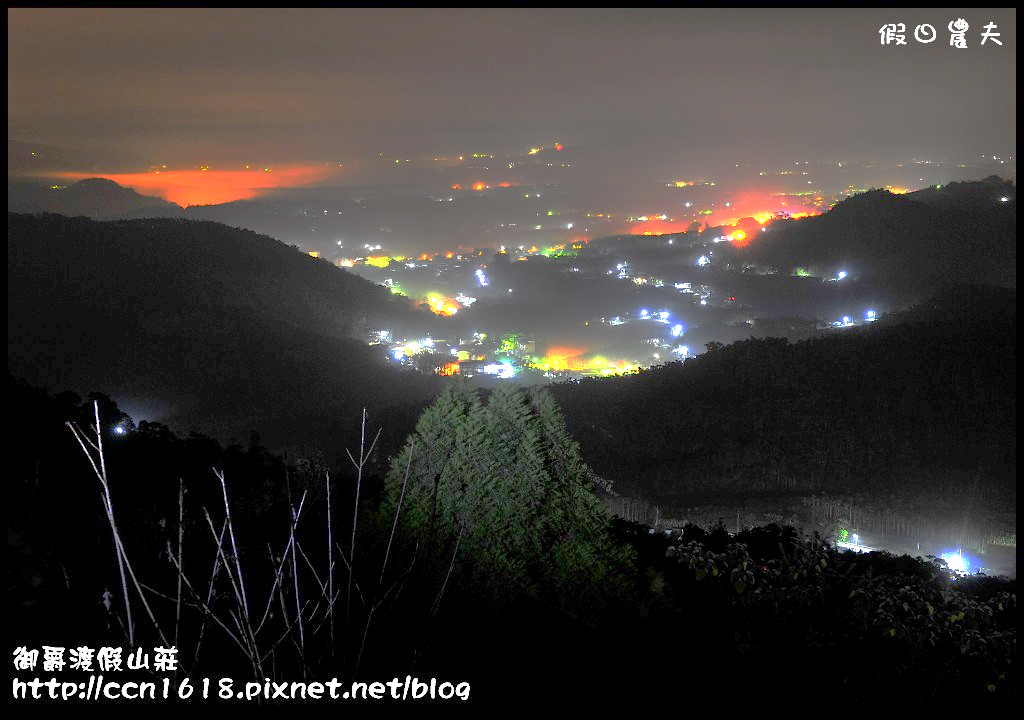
(658, 93)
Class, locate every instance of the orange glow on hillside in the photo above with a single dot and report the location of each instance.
(212, 187)
(479, 186)
(442, 305)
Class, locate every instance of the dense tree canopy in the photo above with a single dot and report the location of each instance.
(505, 481)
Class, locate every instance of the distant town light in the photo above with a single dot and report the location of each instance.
(955, 561)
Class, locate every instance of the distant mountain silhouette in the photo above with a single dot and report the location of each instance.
(963, 232)
(967, 195)
(202, 327)
(95, 198)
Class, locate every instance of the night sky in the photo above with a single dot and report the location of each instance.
(224, 86)
(660, 86)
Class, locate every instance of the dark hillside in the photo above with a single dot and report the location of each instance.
(95, 198)
(202, 327)
(963, 232)
(924, 403)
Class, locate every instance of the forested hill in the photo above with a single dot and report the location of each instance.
(962, 232)
(95, 198)
(926, 401)
(201, 326)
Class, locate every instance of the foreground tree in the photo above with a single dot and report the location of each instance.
(506, 482)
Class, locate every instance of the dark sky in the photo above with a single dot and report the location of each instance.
(226, 86)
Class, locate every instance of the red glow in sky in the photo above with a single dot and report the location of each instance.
(757, 204)
(209, 187)
(563, 354)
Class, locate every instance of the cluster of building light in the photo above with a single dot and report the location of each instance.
(442, 306)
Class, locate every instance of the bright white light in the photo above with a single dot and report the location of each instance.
(846, 319)
(955, 561)
(1004, 199)
(841, 275)
(503, 370)
(703, 260)
(870, 315)
(677, 331)
(703, 302)
(119, 430)
(663, 315)
(398, 354)
(643, 313)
